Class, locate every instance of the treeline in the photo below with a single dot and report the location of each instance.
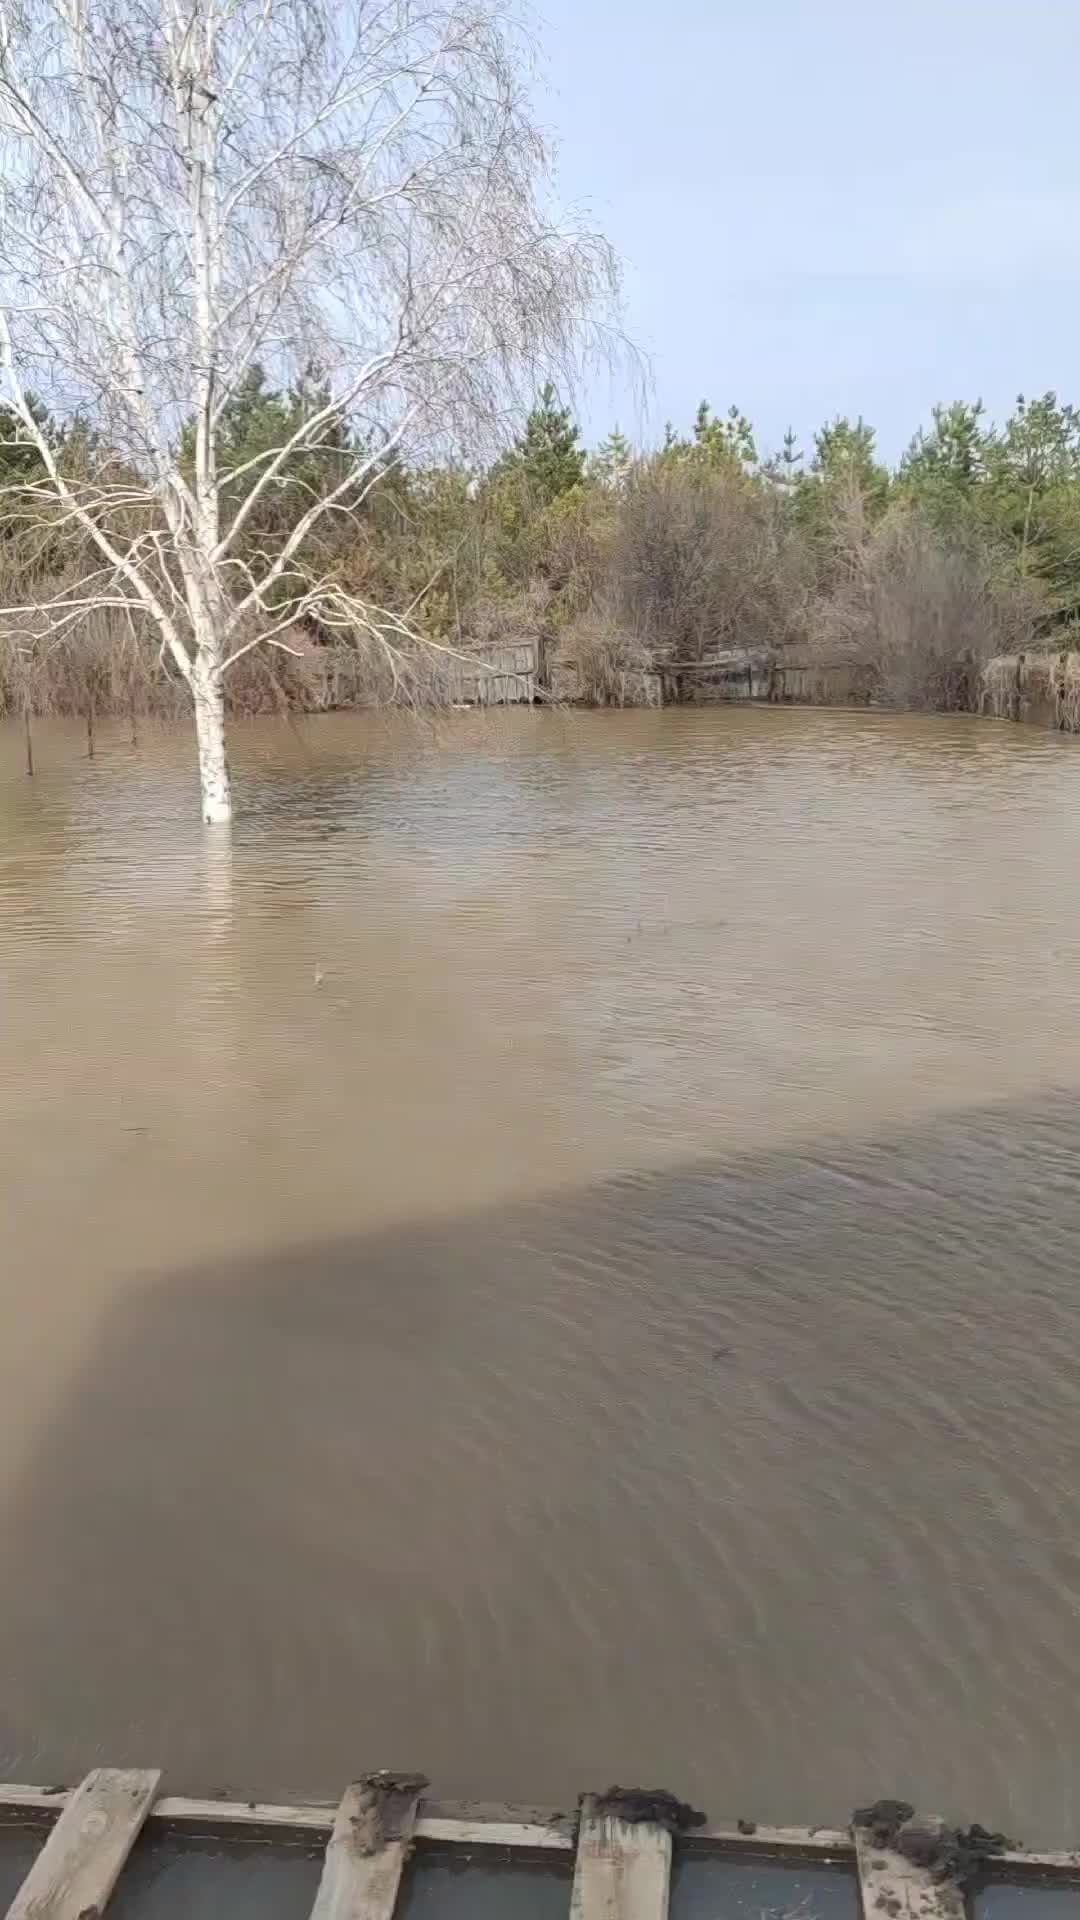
(622, 560)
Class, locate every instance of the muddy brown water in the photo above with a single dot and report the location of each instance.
(550, 1255)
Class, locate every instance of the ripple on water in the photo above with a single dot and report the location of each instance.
(548, 1256)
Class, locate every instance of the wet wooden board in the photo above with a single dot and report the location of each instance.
(892, 1888)
(367, 1851)
(496, 1833)
(473, 1824)
(796, 1843)
(80, 1863)
(622, 1870)
(532, 1829)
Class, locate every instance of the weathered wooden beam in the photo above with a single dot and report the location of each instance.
(797, 1843)
(530, 1835)
(623, 1867)
(1018, 1867)
(208, 1815)
(525, 1827)
(895, 1887)
(367, 1851)
(491, 1824)
(80, 1863)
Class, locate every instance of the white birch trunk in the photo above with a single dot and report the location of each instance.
(208, 695)
(215, 212)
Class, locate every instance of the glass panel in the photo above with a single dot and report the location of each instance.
(176, 1876)
(712, 1887)
(19, 1848)
(483, 1884)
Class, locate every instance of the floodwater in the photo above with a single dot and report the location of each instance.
(549, 1256)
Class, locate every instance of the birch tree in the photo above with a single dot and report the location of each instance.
(193, 189)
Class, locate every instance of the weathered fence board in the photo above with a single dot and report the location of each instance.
(507, 675)
(368, 1848)
(80, 1863)
(622, 1870)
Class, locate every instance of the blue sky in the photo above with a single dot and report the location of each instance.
(829, 207)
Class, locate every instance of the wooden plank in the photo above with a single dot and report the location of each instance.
(80, 1863)
(894, 1888)
(495, 1833)
(213, 1814)
(801, 1843)
(1065, 1864)
(1014, 1866)
(448, 1829)
(531, 1828)
(495, 1824)
(15, 1799)
(622, 1870)
(373, 1832)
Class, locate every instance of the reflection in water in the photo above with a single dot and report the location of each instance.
(19, 1848)
(703, 1888)
(216, 854)
(443, 1886)
(173, 1876)
(548, 1257)
(1039, 1901)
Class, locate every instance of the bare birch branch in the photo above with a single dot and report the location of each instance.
(200, 188)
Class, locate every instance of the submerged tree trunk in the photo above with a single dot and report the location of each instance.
(209, 698)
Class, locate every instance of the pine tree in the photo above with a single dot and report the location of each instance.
(547, 453)
(612, 461)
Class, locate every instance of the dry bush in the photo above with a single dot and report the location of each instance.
(112, 664)
(499, 620)
(1043, 687)
(107, 663)
(924, 616)
(607, 665)
(1065, 690)
(703, 561)
(326, 679)
(1000, 687)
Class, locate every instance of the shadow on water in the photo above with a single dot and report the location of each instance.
(760, 1478)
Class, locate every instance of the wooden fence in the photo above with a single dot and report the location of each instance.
(620, 1844)
(821, 683)
(507, 675)
(1041, 688)
(731, 675)
(739, 675)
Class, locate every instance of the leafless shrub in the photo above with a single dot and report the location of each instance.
(705, 561)
(608, 665)
(1065, 691)
(1037, 686)
(106, 662)
(496, 620)
(111, 664)
(1000, 687)
(923, 615)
